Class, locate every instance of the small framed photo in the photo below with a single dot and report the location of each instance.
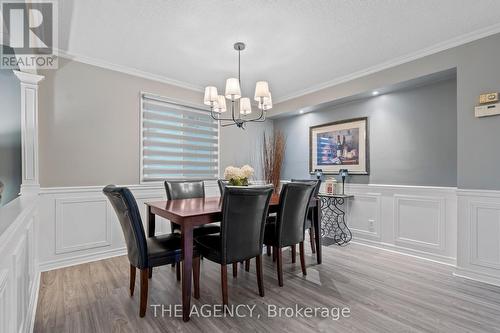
(340, 145)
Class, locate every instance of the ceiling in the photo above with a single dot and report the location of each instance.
(298, 46)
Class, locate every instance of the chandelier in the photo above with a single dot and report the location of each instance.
(241, 107)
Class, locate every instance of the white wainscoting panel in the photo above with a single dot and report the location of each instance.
(415, 220)
(419, 221)
(19, 278)
(479, 235)
(20, 264)
(5, 307)
(82, 223)
(364, 215)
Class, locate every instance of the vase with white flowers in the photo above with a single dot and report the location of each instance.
(238, 176)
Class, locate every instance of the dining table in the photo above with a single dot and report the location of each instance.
(190, 213)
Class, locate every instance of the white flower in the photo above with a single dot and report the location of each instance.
(232, 173)
(247, 171)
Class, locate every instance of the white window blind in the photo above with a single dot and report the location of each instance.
(178, 141)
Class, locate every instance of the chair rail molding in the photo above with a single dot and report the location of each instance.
(29, 131)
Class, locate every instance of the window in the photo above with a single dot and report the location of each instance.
(178, 141)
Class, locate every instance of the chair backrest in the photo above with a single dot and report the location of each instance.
(292, 212)
(244, 213)
(314, 181)
(222, 185)
(125, 207)
(184, 189)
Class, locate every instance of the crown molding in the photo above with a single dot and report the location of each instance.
(127, 70)
(451, 43)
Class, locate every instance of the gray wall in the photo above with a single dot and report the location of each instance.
(10, 135)
(239, 147)
(478, 71)
(89, 126)
(478, 138)
(412, 136)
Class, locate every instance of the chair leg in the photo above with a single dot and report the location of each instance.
(196, 277)
(178, 270)
(132, 280)
(275, 253)
(280, 266)
(223, 277)
(311, 237)
(294, 253)
(302, 258)
(150, 274)
(247, 265)
(144, 292)
(268, 250)
(235, 269)
(260, 280)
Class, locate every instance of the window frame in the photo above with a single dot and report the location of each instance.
(160, 98)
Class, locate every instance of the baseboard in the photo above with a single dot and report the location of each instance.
(81, 259)
(408, 252)
(475, 276)
(30, 324)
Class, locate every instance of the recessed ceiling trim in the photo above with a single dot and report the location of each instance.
(128, 70)
(451, 43)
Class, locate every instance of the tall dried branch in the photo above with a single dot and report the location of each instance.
(273, 155)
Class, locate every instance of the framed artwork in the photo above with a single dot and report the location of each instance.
(339, 145)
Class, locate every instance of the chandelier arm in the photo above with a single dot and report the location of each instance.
(218, 118)
(261, 118)
(227, 125)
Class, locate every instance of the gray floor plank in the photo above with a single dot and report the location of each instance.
(386, 292)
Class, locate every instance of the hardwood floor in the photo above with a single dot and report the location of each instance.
(385, 292)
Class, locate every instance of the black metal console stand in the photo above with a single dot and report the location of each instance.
(333, 224)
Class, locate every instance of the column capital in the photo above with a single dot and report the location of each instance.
(28, 78)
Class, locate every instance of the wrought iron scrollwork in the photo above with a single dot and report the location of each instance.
(333, 224)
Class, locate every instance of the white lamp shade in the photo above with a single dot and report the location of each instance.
(268, 103)
(210, 95)
(245, 106)
(261, 91)
(233, 90)
(221, 104)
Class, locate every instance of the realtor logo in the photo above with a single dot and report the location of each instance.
(29, 34)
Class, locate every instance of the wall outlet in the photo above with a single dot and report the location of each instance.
(371, 225)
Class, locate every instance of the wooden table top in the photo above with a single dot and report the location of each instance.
(200, 206)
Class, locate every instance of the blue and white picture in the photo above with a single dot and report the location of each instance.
(340, 145)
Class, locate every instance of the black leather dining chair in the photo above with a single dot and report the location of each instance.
(144, 253)
(181, 189)
(188, 189)
(222, 185)
(289, 228)
(244, 212)
(310, 216)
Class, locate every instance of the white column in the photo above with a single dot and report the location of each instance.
(29, 131)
